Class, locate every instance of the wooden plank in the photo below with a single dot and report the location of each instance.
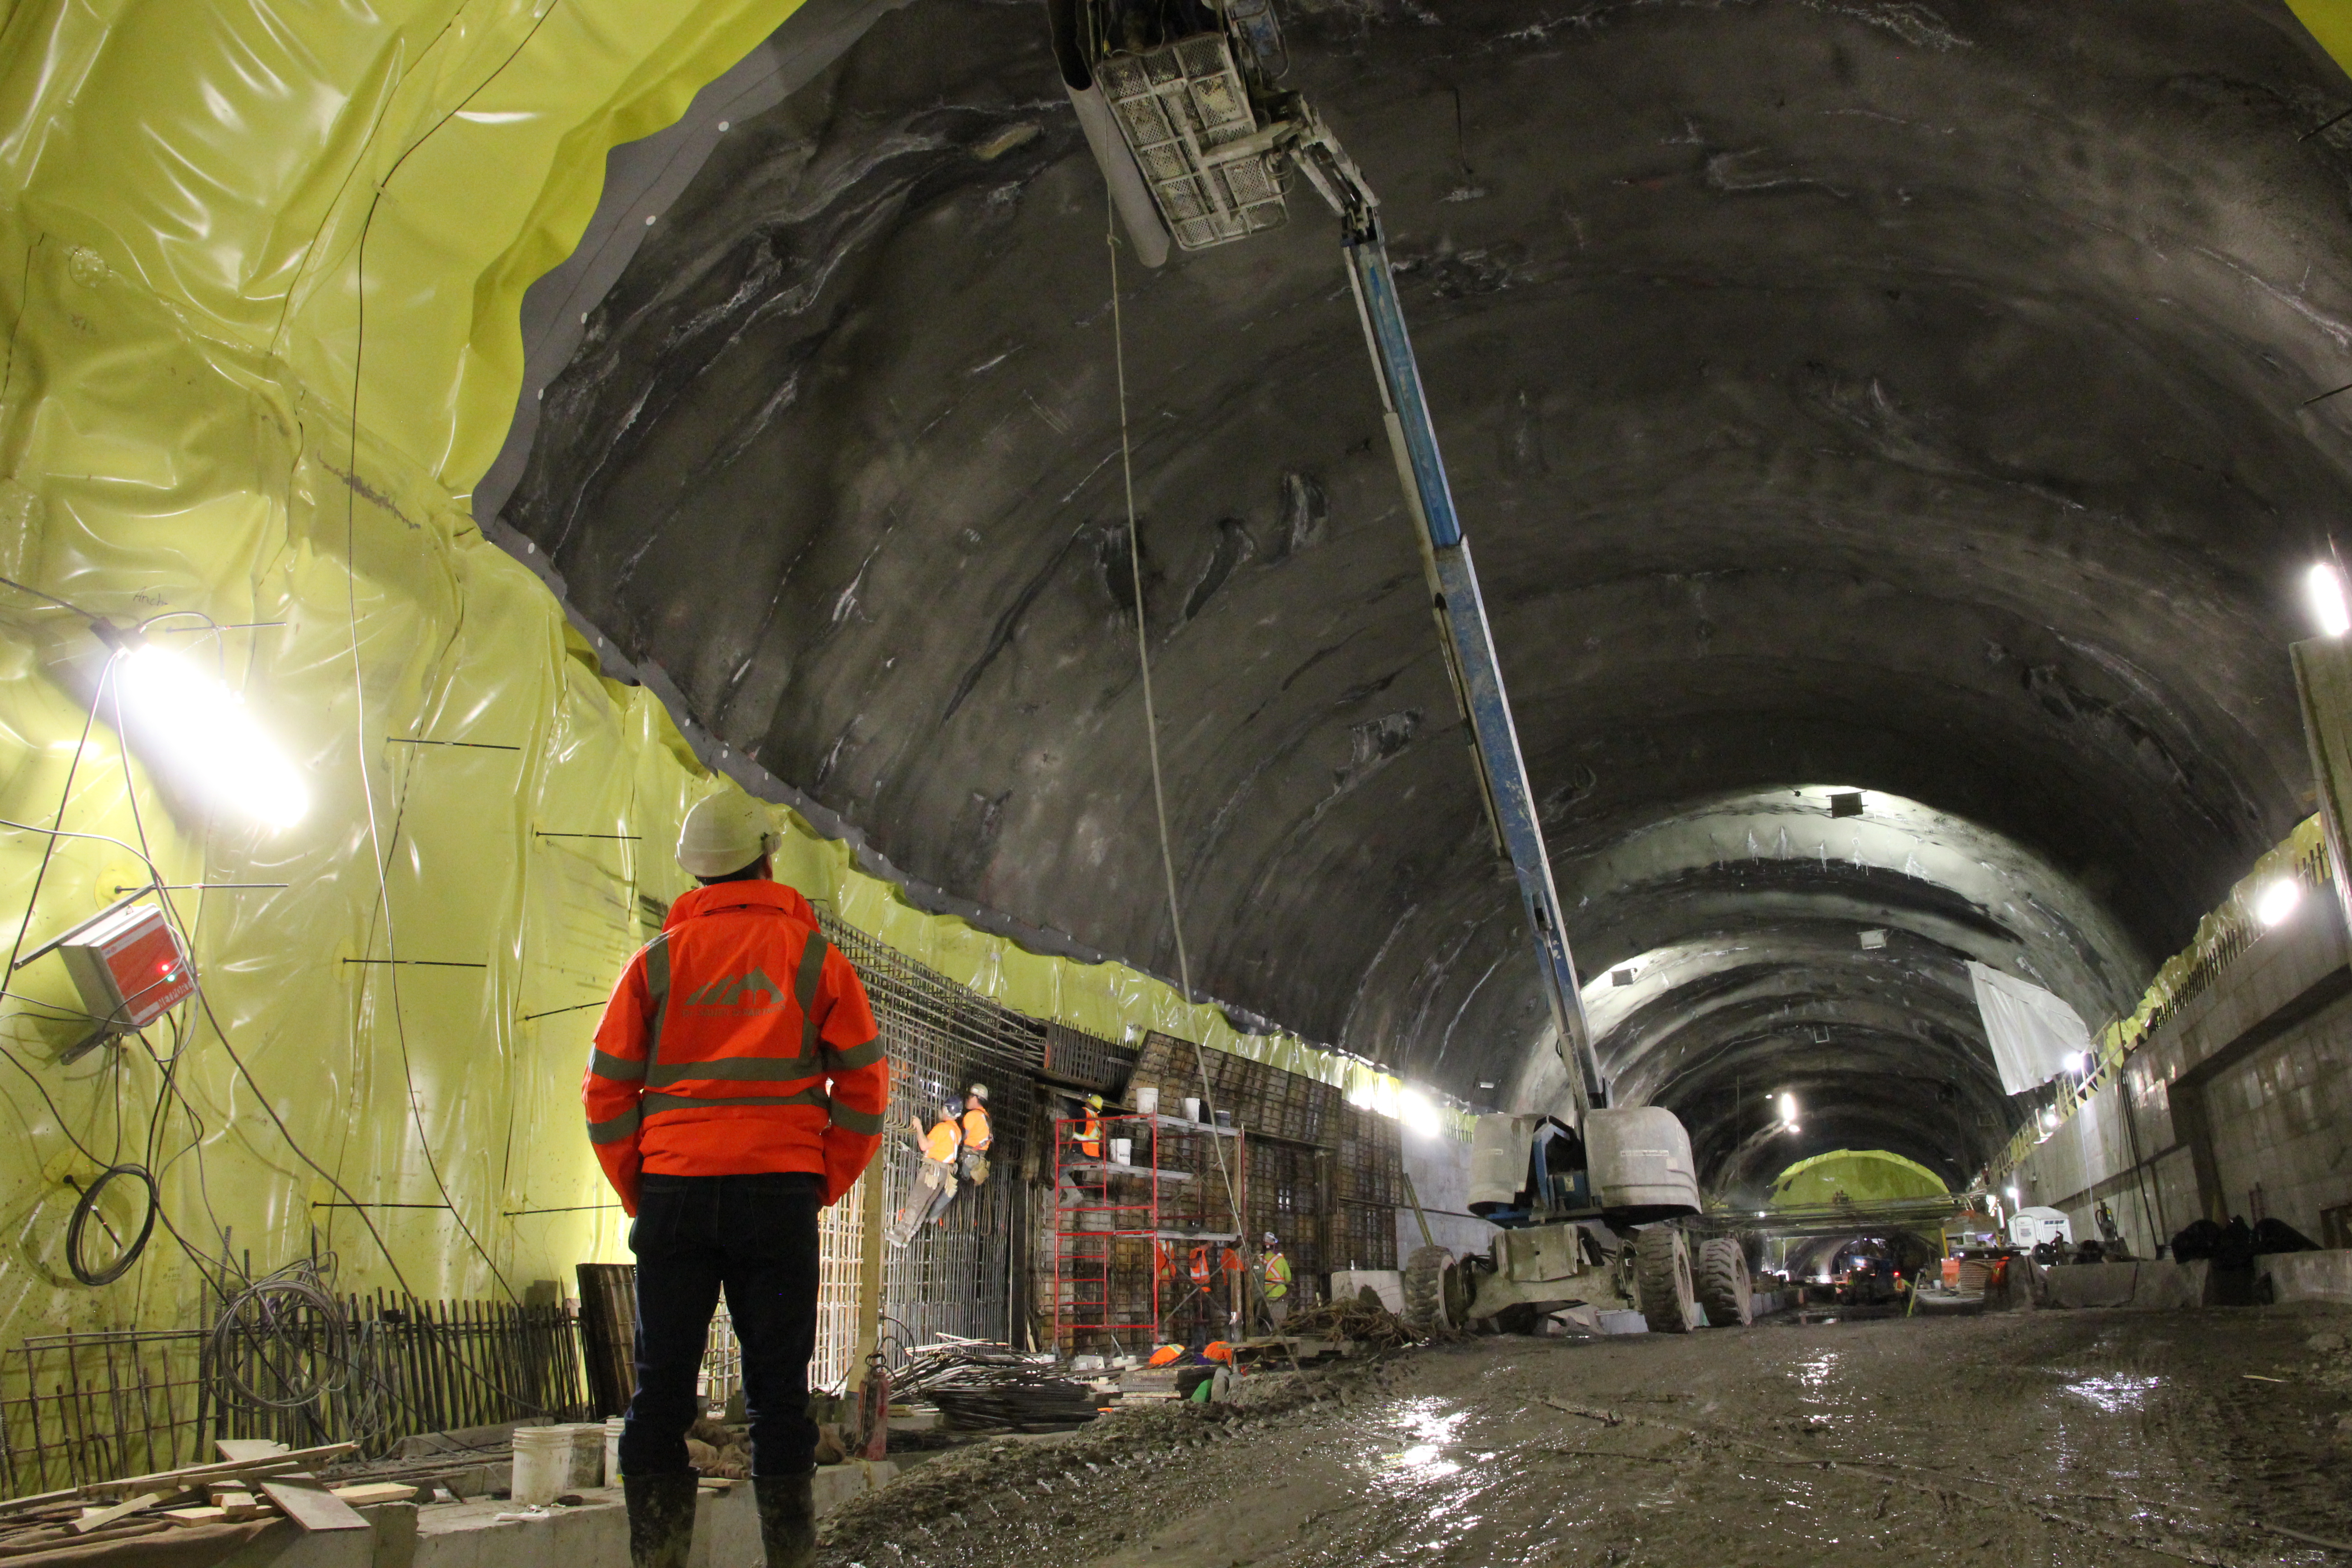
(240, 1450)
(193, 1475)
(367, 1494)
(236, 1502)
(197, 1515)
(312, 1505)
(100, 1518)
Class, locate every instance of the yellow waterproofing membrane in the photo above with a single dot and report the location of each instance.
(1863, 1175)
(261, 268)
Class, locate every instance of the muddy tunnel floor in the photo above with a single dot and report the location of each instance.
(2217, 1437)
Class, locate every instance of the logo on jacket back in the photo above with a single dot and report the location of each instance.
(751, 993)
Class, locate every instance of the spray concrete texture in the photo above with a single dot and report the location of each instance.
(1881, 398)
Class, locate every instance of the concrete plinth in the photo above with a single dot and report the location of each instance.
(2151, 1284)
(2307, 1276)
(486, 1534)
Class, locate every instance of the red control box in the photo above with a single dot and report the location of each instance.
(129, 967)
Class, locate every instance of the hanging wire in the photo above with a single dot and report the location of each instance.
(1241, 1244)
(380, 851)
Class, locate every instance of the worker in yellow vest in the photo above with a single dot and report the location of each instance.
(1274, 1270)
(972, 1165)
(935, 1183)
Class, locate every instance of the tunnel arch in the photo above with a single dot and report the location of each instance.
(1907, 400)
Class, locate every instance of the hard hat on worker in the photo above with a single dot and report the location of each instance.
(1094, 1102)
(978, 1091)
(1272, 1239)
(725, 833)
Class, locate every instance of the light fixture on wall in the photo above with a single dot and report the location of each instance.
(2323, 585)
(1418, 1113)
(195, 731)
(2277, 901)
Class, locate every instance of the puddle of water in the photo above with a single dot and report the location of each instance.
(1813, 1375)
(1425, 1427)
(2116, 1394)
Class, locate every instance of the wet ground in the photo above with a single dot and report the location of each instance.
(2086, 1437)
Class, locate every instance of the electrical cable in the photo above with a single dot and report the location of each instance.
(65, 798)
(87, 1207)
(359, 688)
(52, 598)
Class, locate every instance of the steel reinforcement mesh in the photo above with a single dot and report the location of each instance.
(957, 1276)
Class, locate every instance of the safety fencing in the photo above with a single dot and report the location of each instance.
(78, 1408)
(2224, 937)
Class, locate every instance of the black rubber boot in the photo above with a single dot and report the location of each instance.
(661, 1519)
(787, 1519)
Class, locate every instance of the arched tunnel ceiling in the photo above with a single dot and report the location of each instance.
(1898, 398)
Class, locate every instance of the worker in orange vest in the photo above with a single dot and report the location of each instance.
(935, 1183)
(972, 1164)
(1089, 1134)
(737, 1086)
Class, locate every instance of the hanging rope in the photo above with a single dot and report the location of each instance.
(1247, 1253)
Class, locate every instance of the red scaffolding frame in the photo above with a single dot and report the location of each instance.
(1116, 1225)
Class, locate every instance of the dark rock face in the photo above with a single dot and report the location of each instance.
(1896, 398)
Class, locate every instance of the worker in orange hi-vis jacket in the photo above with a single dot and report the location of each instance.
(738, 1086)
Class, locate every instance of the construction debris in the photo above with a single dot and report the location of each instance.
(980, 1385)
(1363, 1323)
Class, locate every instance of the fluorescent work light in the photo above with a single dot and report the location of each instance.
(2277, 902)
(197, 731)
(2324, 588)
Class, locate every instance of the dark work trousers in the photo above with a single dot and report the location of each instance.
(756, 1235)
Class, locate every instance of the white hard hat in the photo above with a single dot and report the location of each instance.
(1272, 1239)
(723, 832)
(978, 1091)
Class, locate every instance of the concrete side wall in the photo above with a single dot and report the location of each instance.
(2249, 1086)
(1440, 1169)
(2287, 1113)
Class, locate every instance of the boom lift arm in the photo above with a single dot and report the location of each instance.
(1464, 631)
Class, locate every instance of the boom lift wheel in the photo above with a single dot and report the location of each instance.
(1662, 1277)
(1432, 1291)
(1723, 1282)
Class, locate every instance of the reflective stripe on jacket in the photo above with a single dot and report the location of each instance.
(737, 1041)
(1090, 1137)
(1277, 1276)
(976, 1134)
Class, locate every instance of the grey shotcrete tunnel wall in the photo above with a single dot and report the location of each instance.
(1888, 400)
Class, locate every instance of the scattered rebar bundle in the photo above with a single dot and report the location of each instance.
(1356, 1321)
(979, 1386)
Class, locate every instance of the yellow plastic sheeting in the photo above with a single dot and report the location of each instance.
(1863, 1175)
(189, 205)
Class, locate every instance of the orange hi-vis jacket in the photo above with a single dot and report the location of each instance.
(737, 1041)
(977, 1135)
(939, 1144)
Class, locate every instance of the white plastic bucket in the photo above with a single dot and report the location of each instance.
(612, 1450)
(587, 1456)
(1191, 1108)
(1146, 1101)
(542, 1465)
(1122, 1151)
